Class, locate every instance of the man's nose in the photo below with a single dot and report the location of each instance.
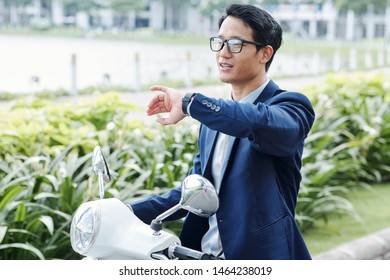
(225, 51)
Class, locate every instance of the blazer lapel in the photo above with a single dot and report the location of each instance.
(211, 137)
(268, 92)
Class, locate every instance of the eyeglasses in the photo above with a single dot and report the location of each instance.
(234, 45)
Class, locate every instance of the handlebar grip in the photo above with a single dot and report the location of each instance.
(184, 253)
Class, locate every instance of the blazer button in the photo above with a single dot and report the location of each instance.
(217, 109)
(204, 102)
(209, 104)
(213, 107)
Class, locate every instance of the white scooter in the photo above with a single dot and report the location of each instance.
(108, 228)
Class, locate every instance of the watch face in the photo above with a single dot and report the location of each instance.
(188, 96)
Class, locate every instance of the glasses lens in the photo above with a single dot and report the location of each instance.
(216, 44)
(234, 45)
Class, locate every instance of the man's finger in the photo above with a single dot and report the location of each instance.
(159, 88)
(155, 111)
(156, 100)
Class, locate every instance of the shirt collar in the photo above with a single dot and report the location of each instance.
(250, 98)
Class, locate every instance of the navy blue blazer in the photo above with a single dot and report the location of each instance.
(260, 180)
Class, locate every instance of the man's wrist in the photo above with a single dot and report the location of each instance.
(186, 101)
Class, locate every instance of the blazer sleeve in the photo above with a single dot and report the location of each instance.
(149, 208)
(277, 126)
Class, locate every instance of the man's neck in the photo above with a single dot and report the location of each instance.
(240, 91)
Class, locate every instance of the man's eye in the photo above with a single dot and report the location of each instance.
(235, 42)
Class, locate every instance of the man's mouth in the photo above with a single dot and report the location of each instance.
(225, 66)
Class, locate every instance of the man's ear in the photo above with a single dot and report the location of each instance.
(267, 53)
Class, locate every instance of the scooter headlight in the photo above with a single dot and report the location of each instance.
(85, 227)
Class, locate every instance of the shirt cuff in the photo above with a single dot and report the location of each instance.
(189, 107)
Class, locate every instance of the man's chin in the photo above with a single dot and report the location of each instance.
(224, 79)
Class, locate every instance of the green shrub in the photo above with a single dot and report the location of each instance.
(45, 172)
(38, 195)
(349, 144)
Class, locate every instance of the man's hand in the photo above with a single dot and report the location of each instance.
(167, 101)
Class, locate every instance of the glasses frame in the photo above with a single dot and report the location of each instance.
(227, 44)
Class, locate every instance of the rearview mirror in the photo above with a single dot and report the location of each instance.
(198, 196)
(100, 168)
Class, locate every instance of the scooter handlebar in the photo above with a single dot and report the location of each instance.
(184, 253)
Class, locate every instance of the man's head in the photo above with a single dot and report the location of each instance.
(265, 29)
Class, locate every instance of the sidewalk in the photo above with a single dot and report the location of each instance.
(375, 246)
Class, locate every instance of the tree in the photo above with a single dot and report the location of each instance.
(209, 7)
(74, 6)
(17, 2)
(360, 6)
(125, 6)
(357, 6)
(125, 9)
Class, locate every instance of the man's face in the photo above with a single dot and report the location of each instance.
(242, 68)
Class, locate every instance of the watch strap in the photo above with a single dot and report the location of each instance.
(185, 101)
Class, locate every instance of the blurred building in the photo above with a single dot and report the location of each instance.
(323, 20)
(301, 20)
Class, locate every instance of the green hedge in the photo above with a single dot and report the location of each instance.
(45, 167)
(349, 144)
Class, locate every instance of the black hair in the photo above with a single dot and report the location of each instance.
(265, 29)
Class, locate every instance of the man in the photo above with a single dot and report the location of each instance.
(250, 147)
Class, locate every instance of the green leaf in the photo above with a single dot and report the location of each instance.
(48, 222)
(44, 195)
(3, 231)
(10, 195)
(20, 214)
(22, 246)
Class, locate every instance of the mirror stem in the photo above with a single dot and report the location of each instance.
(101, 185)
(156, 224)
(169, 212)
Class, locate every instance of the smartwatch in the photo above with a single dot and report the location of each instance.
(185, 101)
